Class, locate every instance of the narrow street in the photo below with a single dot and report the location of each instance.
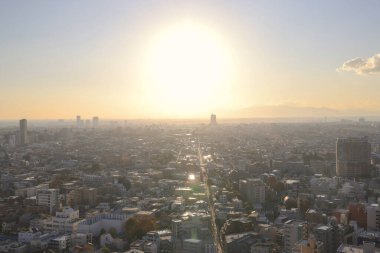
(214, 229)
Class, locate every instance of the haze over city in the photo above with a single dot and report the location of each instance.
(182, 59)
(189, 126)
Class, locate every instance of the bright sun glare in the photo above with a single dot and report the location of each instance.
(188, 67)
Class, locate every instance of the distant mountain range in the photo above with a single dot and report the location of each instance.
(285, 111)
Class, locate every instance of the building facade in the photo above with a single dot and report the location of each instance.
(353, 157)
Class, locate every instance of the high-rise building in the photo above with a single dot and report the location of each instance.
(253, 189)
(12, 140)
(95, 121)
(79, 121)
(213, 119)
(353, 157)
(23, 132)
(373, 217)
(330, 235)
(358, 213)
(294, 231)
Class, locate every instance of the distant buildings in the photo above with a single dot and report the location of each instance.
(95, 121)
(87, 123)
(213, 119)
(79, 121)
(23, 132)
(353, 157)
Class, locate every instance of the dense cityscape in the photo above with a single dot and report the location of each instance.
(177, 126)
(93, 186)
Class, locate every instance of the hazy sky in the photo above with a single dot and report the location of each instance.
(128, 59)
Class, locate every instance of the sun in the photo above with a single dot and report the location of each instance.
(187, 66)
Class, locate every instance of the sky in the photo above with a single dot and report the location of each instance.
(181, 59)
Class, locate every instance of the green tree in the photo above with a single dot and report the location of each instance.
(105, 249)
(112, 232)
(136, 227)
(125, 181)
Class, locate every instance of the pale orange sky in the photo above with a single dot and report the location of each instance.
(175, 59)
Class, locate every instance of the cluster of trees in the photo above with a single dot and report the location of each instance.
(60, 179)
(125, 181)
(307, 157)
(137, 226)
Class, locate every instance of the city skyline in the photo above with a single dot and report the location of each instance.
(189, 126)
(183, 60)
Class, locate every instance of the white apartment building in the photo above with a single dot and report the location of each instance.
(49, 197)
(65, 221)
(106, 221)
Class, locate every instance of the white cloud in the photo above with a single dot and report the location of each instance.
(362, 66)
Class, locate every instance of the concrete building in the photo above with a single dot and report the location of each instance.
(61, 243)
(294, 231)
(95, 121)
(358, 213)
(367, 247)
(192, 246)
(106, 221)
(23, 132)
(311, 246)
(153, 236)
(373, 217)
(253, 189)
(330, 236)
(79, 239)
(27, 236)
(65, 221)
(353, 157)
(49, 198)
(79, 121)
(82, 196)
(213, 120)
(263, 247)
(191, 225)
(13, 247)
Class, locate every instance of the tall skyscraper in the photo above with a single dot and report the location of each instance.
(95, 121)
(23, 132)
(213, 119)
(79, 121)
(353, 157)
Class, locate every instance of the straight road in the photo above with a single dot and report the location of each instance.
(214, 228)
